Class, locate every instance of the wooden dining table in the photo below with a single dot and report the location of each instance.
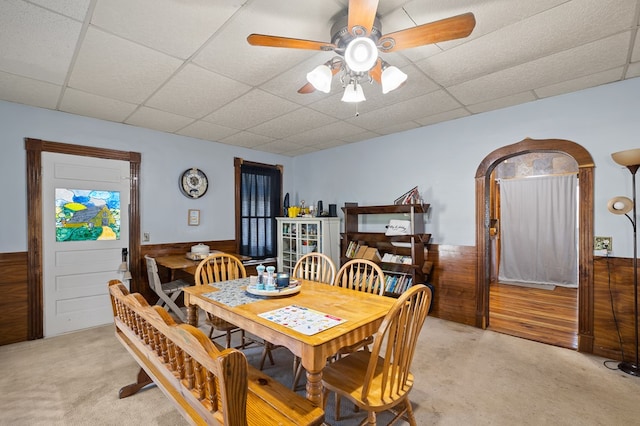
(361, 314)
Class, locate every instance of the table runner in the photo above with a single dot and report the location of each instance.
(232, 293)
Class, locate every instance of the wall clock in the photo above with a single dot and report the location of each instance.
(193, 183)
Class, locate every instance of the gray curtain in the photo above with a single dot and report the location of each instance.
(539, 230)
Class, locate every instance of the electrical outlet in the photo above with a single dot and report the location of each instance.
(603, 243)
(146, 236)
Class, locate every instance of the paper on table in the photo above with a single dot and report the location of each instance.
(301, 319)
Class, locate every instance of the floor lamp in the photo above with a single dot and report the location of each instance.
(622, 205)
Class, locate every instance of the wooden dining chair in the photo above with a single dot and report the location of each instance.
(215, 268)
(312, 266)
(315, 266)
(362, 275)
(381, 379)
(167, 292)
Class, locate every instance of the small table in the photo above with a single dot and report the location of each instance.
(363, 313)
(175, 262)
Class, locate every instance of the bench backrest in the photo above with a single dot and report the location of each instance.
(180, 358)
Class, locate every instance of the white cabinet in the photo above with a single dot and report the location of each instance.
(301, 235)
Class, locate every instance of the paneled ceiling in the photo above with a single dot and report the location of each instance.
(185, 67)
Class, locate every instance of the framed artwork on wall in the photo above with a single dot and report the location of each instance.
(194, 217)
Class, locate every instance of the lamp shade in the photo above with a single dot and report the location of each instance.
(361, 54)
(630, 157)
(353, 93)
(320, 78)
(620, 205)
(392, 78)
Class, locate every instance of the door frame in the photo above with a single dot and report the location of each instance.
(585, 237)
(34, 149)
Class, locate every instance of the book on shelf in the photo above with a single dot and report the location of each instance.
(397, 258)
(357, 250)
(397, 284)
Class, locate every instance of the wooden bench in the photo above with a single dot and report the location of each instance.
(207, 385)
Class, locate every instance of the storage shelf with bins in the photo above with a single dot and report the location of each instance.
(412, 245)
(298, 236)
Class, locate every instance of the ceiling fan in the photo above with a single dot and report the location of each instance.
(357, 39)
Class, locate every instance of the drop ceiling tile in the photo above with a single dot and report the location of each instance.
(207, 131)
(36, 43)
(583, 60)
(324, 133)
(572, 24)
(581, 83)
(360, 137)
(14, 88)
(635, 54)
(633, 70)
(251, 109)
(301, 151)
(294, 122)
(328, 144)
(401, 112)
(507, 101)
(113, 67)
(443, 116)
(176, 28)
(255, 65)
(90, 105)
(159, 120)
(117, 58)
(280, 146)
(76, 9)
(397, 128)
(247, 140)
(195, 92)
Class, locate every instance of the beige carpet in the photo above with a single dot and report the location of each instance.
(465, 376)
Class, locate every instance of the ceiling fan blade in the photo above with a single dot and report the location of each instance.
(459, 26)
(307, 88)
(362, 13)
(376, 71)
(293, 43)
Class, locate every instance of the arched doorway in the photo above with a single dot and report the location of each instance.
(585, 243)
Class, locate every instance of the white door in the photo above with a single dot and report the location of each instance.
(84, 234)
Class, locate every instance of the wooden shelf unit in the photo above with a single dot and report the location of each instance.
(414, 246)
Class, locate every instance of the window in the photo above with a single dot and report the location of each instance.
(258, 203)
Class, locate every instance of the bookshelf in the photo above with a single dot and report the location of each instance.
(401, 257)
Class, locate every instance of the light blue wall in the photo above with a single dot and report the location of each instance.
(164, 158)
(442, 159)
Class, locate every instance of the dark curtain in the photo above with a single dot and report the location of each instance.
(259, 205)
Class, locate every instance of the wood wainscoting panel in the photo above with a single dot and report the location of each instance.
(454, 280)
(613, 308)
(14, 306)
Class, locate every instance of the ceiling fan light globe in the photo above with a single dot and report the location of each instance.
(320, 77)
(361, 54)
(392, 78)
(353, 93)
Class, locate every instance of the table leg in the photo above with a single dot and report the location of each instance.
(314, 387)
(192, 315)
